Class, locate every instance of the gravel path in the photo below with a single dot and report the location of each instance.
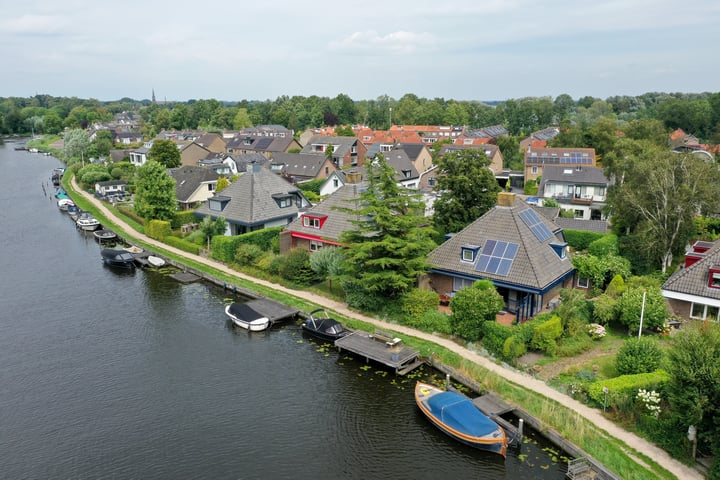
(635, 442)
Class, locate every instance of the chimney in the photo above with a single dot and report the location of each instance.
(506, 199)
(353, 177)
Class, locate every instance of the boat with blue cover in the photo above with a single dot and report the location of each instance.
(457, 416)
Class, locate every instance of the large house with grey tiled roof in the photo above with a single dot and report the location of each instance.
(523, 253)
(694, 290)
(322, 225)
(302, 167)
(193, 185)
(266, 146)
(258, 199)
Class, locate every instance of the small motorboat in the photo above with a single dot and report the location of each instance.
(73, 211)
(155, 261)
(60, 193)
(117, 258)
(104, 234)
(457, 416)
(133, 249)
(246, 317)
(65, 203)
(87, 222)
(319, 324)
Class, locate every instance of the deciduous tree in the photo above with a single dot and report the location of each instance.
(467, 189)
(155, 197)
(165, 152)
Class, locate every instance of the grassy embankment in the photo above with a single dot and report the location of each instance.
(615, 455)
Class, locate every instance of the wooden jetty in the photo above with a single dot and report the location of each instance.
(185, 277)
(382, 348)
(493, 407)
(274, 311)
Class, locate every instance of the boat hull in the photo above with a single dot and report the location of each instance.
(456, 416)
(117, 258)
(246, 318)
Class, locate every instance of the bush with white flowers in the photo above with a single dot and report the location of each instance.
(650, 400)
(596, 331)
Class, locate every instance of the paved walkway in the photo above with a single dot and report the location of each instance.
(639, 444)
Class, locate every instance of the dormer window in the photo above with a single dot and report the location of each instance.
(283, 200)
(469, 252)
(560, 249)
(313, 221)
(218, 203)
(714, 276)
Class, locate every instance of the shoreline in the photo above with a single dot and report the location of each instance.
(633, 443)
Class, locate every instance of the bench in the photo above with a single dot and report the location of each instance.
(386, 337)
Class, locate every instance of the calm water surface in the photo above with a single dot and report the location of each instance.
(108, 374)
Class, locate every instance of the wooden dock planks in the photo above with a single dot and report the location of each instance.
(398, 357)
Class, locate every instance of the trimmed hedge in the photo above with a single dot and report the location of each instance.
(182, 244)
(623, 389)
(581, 239)
(129, 212)
(181, 218)
(158, 229)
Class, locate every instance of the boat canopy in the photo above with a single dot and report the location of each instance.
(458, 412)
(244, 312)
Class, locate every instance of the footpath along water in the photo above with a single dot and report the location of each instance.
(111, 373)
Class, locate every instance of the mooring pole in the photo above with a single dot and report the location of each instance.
(447, 381)
(521, 424)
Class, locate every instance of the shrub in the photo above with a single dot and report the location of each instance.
(605, 309)
(358, 297)
(197, 237)
(604, 246)
(571, 346)
(630, 307)
(430, 321)
(473, 306)
(182, 244)
(616, 287)
(545, 335)
(622, 390)
(181, 218)
(158, 229)
(130, 213)
(638, 355)
(596, 331)
(266, 261)
(247, 253)
(417, 301)
(580, 239)
(296, 267)
(494, 336)
(513, 348)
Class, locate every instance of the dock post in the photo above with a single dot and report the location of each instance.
(447, 381)
(521, 423)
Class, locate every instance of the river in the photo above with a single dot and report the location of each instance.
(108, 374)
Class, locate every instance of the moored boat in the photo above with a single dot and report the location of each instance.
(87, 222)
(319, 324)
(104, 234)
(117, 258)
(246, 317)
(155, 261)
(457, 416)
(65, 203)
(73, 211)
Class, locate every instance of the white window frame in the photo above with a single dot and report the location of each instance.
(582, 282)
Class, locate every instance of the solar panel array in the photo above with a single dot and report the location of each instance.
(573, 158)
(531, 219)
(497, 257)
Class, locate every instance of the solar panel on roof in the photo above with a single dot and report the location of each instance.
(536, 226)
(497, 257)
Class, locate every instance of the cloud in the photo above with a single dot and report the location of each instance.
(371, 42)
(34, 25)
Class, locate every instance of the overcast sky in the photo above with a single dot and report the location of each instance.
(257, 50)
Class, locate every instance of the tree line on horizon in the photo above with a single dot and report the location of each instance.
(695, 113)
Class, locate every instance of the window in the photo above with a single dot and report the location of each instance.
(211, 187)
(431, 181)
(315, 245)
(583, 282)
(468, 254)
(460, 283)
(285, 202)
(534, 169)
(311, 222)
(714, 280)
(336, 182)
(579, 214)
(704, 312)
